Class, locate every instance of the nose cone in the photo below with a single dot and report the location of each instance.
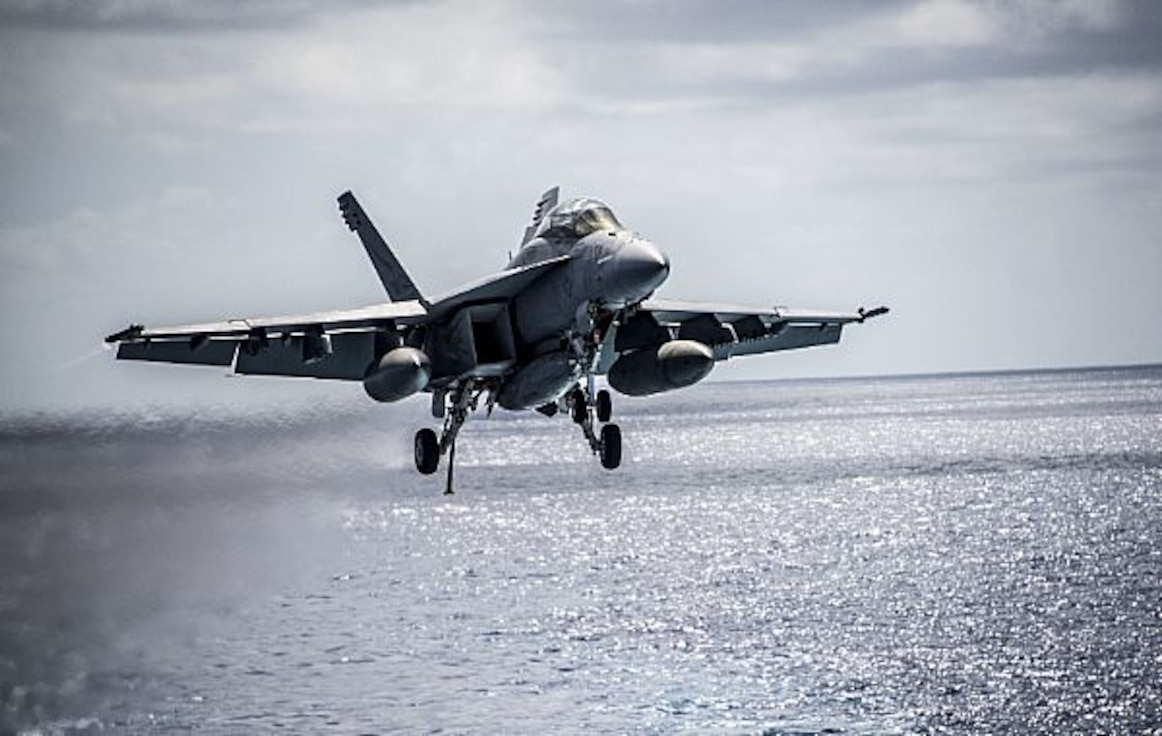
(639, 267)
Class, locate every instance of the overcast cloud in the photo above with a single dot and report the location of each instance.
(991, 170)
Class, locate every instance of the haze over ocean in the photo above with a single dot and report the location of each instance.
(945, 554)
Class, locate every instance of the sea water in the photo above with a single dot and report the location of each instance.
(942, 554)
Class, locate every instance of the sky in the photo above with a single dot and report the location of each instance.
(990, 170)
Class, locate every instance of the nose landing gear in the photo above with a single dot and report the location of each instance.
(587, 413)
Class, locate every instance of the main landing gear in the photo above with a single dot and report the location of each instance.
(429, 449)
(585, 410)
(590, 409)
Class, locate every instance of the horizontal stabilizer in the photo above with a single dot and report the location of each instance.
(396, 282)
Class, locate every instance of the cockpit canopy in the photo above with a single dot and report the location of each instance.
(577, 218)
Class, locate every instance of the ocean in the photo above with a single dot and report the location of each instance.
(957, 554)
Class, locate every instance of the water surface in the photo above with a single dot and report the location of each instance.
(956, 554)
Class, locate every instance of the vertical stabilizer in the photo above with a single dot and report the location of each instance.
(397, 283)
(547, 202)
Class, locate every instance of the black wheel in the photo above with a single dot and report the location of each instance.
(427, 451)
(610, 446)
(580, 408)
(604, 406)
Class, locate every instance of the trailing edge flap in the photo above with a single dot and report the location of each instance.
(395, 280)
(351, 353)
(500, 287)
(547, 202)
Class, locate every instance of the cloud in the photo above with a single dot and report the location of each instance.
(944, 23)
(846, 150)
(351, 69)
(82, 238)
(410, 56)
(341, 73)
(766, 53)
(166, 16)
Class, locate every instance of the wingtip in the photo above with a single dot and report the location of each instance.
(129, 333)
(866, 314)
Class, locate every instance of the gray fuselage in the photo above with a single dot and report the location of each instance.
(609, 268)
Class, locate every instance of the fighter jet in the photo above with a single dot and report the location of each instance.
(574, 303)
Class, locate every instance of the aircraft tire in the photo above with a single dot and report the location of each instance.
(580, 410)
(427, 451)
(604, 406)
(610, 446)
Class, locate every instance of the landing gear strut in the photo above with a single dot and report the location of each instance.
(429, 449)
(587, 405)
(586, 413)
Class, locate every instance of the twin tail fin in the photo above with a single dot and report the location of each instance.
(395, 280)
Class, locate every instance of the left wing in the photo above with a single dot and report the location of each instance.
(730, 330)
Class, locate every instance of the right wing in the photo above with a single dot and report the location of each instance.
(339, 345)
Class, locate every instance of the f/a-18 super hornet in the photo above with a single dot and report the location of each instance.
(572, 304)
